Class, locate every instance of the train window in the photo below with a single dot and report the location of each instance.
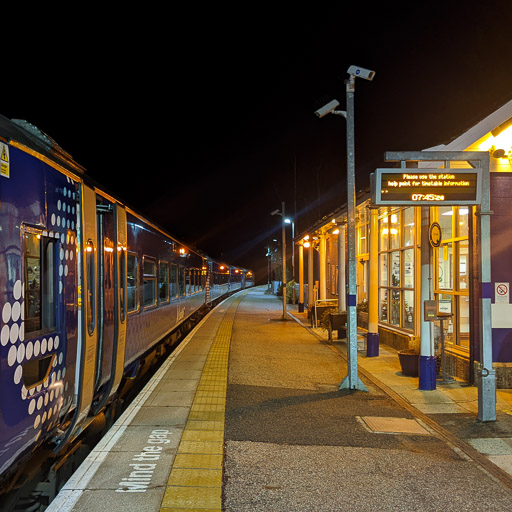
(122, 281)
(163, 282)
(91, 282)
(40, 278)
(174, 281)
(132, 282)
(181, 282)
(149, 268)
(188, 281)
(36, 371)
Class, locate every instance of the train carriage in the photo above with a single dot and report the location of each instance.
(88, 288)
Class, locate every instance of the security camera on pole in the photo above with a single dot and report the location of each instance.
(352, 380)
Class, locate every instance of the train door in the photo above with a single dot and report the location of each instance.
(86, 365)
(111, 265)
(120, 285)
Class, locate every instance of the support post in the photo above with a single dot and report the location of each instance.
(301, 278)
(284, 261)
(427, 362)
(342, 282)
(323, 264)
(486, 373)
(311, 283)
(372, 342)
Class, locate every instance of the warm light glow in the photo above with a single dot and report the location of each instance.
(306, 244)
(336, 232)
(502, 141)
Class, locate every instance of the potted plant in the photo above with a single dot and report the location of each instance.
(409, 359)
(320, 310)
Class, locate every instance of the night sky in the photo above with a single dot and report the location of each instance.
(203, 120)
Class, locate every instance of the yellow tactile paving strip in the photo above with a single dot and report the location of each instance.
(195, 482)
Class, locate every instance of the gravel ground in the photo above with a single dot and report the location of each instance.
(270, 477)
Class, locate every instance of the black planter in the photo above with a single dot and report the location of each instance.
(408, 362)
(337, 321)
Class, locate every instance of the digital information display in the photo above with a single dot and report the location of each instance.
(417, 187)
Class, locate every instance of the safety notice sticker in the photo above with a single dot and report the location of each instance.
(4, 160)
(501, 291)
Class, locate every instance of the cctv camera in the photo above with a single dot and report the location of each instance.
(367, 74)
(327, 109)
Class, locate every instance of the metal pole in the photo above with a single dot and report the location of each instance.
(427, 371)
(293, 261)
(487, 375)
(301, 277)
(352, 380)
(323, 263)
(342, 284)
(284, 262)
(372, 341)
(341, 269)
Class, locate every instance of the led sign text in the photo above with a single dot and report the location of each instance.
(425, 186)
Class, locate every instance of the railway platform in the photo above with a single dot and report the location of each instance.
(246, 415)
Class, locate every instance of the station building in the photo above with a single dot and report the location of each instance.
(393, 262)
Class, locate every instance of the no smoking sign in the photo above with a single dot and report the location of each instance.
(501, 293)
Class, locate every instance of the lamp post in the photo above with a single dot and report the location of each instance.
(291, 221)
(352, 380)
(281, 213)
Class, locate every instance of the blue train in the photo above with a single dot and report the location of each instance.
(89, 292)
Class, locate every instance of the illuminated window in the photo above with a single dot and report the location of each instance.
(90, 270)
(163, 282)
(174, 281)
(40, 278)
(396, 267)
(132, 281)
(149, 283)
(452, 273)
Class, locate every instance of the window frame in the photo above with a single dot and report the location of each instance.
(164, 264)
(149, 278)
(136, 286)
(393, 247)
(48, 281)
(455, 294)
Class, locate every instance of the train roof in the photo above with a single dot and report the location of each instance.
(32, 137)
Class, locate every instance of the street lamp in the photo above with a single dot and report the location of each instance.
(281, 213)
(290, 221)
(352, 380)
